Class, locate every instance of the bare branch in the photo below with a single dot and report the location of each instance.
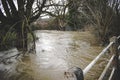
(6, 9)
(20, 7)
(2, 17)
(29, 7)
(12, 7)
(40, 7)
(54, 5)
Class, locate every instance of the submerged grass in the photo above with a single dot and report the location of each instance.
(91, 53)
(81, 49)
(7, 40)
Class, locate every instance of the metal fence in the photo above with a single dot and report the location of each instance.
(114, 48)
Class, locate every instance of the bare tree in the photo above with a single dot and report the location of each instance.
(21, 16)
(57, 9)
(73, 14)
(102, 15)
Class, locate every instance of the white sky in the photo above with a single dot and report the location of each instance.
(34, 5)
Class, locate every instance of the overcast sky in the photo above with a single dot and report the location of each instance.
(34, 5)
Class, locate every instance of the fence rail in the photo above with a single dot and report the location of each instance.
(106, 68)
(114, 47)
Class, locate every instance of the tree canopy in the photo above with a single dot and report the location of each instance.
(17, 15)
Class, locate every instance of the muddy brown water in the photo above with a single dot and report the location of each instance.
(56, 51)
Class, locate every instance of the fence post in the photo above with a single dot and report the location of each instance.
(114, 50)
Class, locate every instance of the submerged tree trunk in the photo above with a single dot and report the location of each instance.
(18, 14)
(22, 32)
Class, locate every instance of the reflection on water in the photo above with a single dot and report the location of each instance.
(56, 52)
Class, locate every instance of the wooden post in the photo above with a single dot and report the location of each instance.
(115, 51)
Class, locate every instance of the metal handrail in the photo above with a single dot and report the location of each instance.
(112, 73)
(114, 47)
(106, 68)
(114, 39)
(96, 59)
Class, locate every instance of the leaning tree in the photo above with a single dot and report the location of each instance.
(18, 14)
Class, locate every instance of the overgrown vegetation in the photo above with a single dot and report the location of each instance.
(102, 15)
(7, 38)
(17, 15)
(18, 19)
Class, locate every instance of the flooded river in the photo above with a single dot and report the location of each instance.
(56, 51)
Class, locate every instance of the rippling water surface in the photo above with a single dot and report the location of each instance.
(56, 52)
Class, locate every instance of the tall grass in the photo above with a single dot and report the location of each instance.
(7, 40)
